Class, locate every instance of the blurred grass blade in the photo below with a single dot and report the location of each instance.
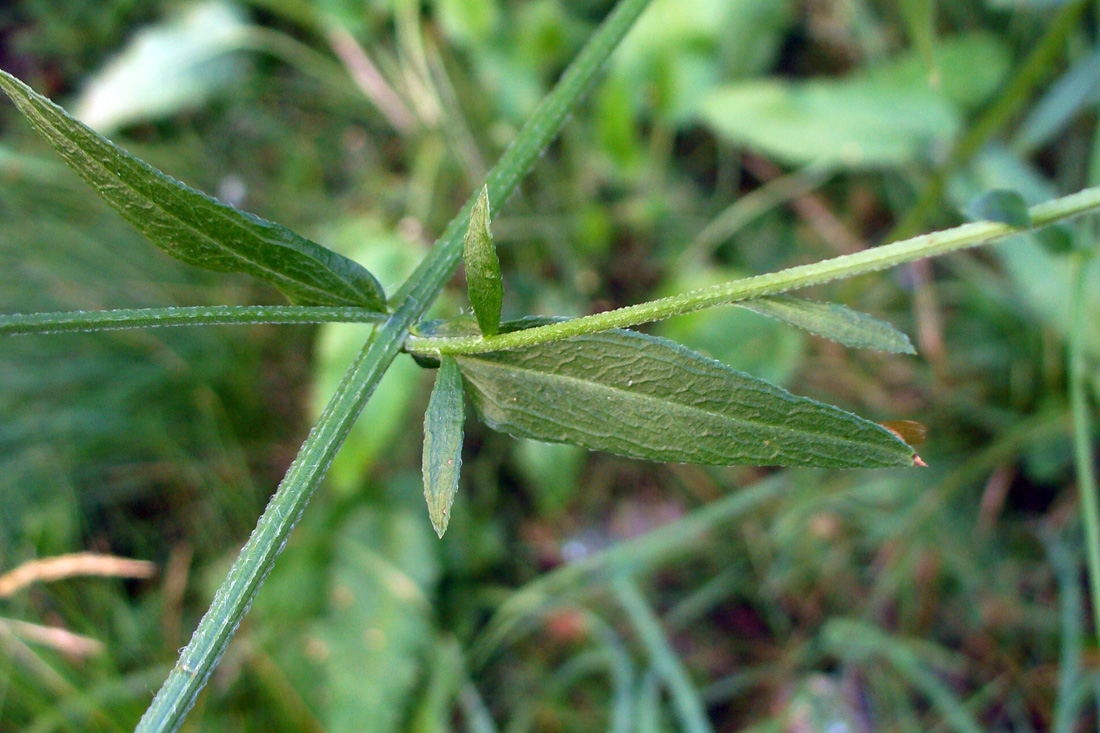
(685, 698)
(856, 641)
(834, 322)
(1079, 87)
(483, 268)
(443, 443)
(192, 226)
(651, 398)
(635, 556)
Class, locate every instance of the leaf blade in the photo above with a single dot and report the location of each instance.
(646, 397)
(442, 460)
(483, 280)
(192, 226)
(833, 321)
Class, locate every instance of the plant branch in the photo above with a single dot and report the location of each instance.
(858, 263)
(233, 598)
(19, 324)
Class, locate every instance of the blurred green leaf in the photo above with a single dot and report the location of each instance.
(553, 470)
(192, 226)
(881, 116)
(967, 69)
(442, 461)
(468, 21)
(647, 397)
(1001, 206)
(836, 123)
(378, 629)
(834, 322)
(483, 280)
(167, 68)
(680, 50)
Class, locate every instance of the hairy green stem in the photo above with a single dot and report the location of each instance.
(233, 598)
(18, 324)
(869, 260)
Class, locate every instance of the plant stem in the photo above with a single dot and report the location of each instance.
(1082, 438)
(869, 260)
(233, 598)
(19, 324)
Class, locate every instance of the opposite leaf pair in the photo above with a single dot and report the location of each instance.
(637, 395)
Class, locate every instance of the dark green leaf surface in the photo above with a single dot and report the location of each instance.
(192, 226)
(442, 459)
(646, 397)
(483, 268)
(834, 322)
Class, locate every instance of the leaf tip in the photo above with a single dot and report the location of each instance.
(918, 462)
(440, 519)
(483, 281)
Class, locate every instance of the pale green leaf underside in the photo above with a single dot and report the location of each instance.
(834, 322)
(192, 226)
(651, 398)
(442, 461)
(483, 279)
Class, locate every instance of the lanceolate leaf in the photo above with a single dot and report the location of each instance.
(483, 268)
(646, 397)
(834, 322)
(443, 444)
(192, 226)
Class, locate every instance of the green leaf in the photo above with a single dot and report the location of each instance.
(172, 66)
(651, 398)
(443, 444)
(192, 226)
(483, 268)
(1002, 206)
(839, 123)
(834, 322)
(378, 630)
(883, 115)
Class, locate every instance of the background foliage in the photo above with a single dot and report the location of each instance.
(573, 590)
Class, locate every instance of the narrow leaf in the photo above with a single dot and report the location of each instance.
(651, 398)
(483, 268)
(834, 322)
(443, 444)
(192, 226)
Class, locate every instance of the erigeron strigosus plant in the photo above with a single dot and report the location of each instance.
(586, 381)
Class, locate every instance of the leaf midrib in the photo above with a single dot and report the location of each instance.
(545, 377)
(213, 203)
